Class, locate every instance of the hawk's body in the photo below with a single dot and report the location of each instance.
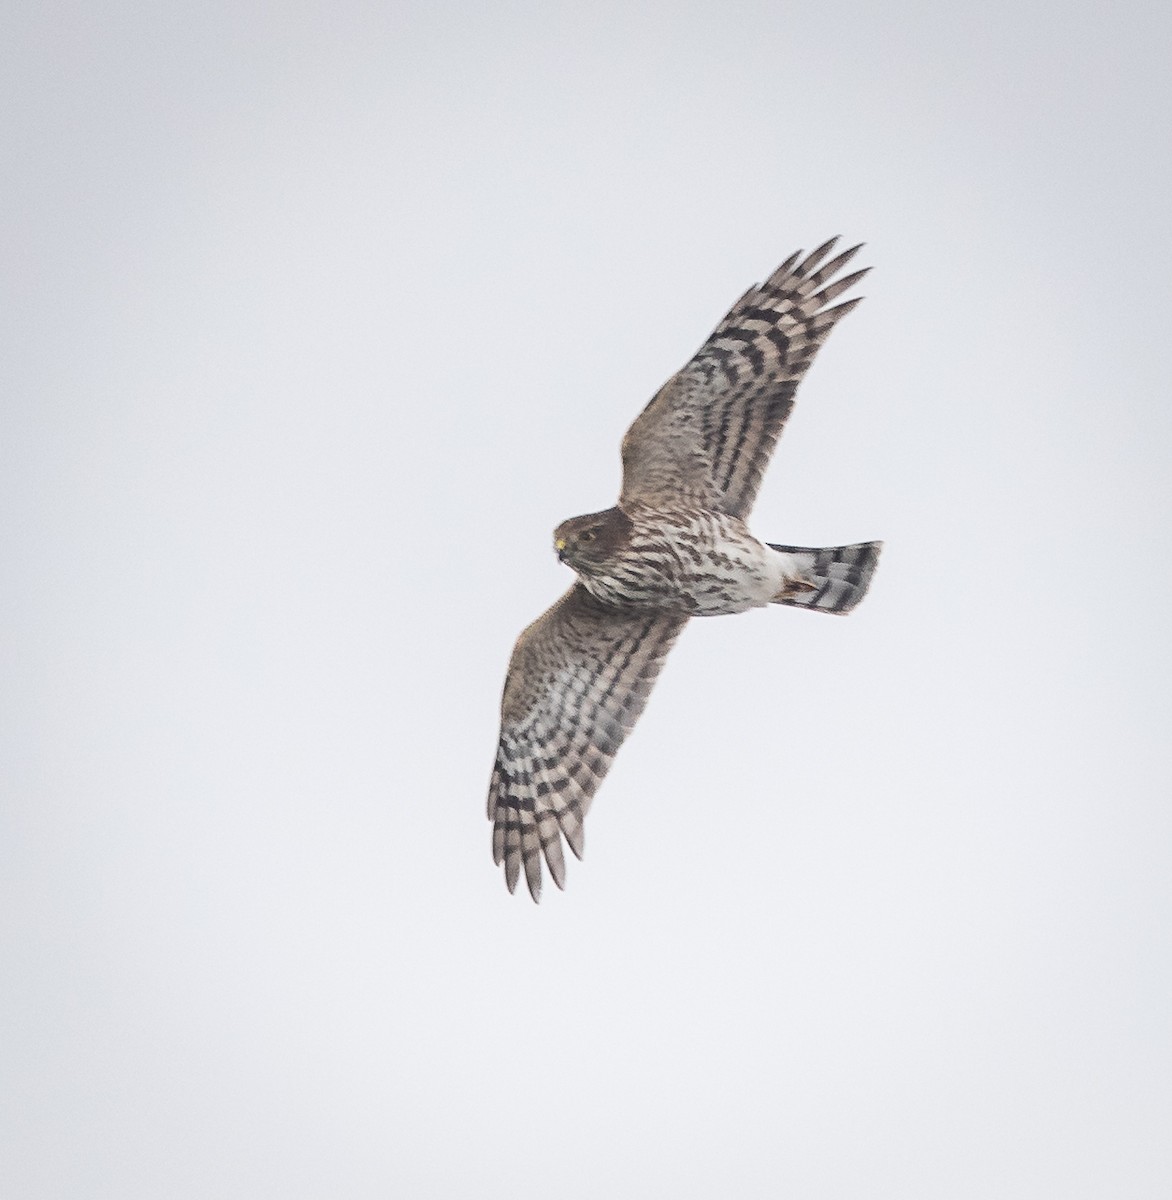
(675, 546)
(688, 560)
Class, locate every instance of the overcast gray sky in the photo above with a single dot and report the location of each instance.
(318, 319)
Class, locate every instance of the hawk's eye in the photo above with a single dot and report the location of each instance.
(587, 535)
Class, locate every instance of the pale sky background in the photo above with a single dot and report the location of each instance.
(318, 318)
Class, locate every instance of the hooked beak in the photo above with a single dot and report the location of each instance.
(560, 546)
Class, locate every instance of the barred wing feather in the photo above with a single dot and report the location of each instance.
(577, 682)
(709, 432)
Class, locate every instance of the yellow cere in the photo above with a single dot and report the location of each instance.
(560, 544)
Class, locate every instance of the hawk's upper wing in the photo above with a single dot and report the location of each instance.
(577, 682)
(709, 431)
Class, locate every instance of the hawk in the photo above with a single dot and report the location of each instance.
(675, 546)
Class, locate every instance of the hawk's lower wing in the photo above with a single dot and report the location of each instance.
(577, 682)
(710, 430)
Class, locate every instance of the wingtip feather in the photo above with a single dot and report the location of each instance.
(811, 261)
(839, 286)
(576, 839)
(775, 279)
(827, 270)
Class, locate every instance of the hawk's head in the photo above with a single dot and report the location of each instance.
(588, 543)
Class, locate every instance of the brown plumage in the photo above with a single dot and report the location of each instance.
(676, 545)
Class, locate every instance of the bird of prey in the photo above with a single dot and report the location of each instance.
(675, 546)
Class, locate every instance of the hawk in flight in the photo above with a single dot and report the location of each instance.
(675, 546)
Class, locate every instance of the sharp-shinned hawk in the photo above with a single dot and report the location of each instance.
(675, 546)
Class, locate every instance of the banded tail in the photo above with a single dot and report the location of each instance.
(840, 575)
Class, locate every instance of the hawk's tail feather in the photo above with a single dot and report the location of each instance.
(840, 575)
